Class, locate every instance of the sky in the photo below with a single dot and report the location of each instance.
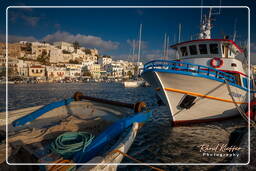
(112, 30)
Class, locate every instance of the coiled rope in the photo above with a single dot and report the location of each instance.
(71, 142)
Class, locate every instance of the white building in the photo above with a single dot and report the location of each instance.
(22, 68)
(56, 55)
(73, 70)
(114, 69)
(65, 46)
(94, 70)
(104, 60)
(55, 73)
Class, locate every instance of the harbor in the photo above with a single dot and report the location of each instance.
(176, 95)
(171, 145)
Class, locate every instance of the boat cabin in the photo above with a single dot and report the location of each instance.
(215, 53)
(221, 48)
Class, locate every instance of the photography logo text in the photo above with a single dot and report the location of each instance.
(219, 150)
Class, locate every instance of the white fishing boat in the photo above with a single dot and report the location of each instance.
(206, 82)
(132, 83)
(40, 134)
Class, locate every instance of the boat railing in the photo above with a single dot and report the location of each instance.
(189, 67)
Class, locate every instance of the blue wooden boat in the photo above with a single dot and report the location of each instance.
(34, 133)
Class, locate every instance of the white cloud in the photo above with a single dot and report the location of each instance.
(144, 44)
(84, 40)
(29, 20)
(158, 54)
(14, 38)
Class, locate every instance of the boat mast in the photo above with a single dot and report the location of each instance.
(164, 50)
(205, 28)
(179, 33)
(133, 50)
(139, 44)
(167, 44)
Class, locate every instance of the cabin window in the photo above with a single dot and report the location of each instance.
(184, 51)
(214, 49)
(203, 49)
(193, 50)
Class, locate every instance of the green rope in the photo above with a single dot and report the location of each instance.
(71, 142)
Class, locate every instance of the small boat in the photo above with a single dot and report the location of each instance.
(133, 83)
(77, 130)
(207, 81)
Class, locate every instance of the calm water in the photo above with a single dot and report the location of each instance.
(157, 141)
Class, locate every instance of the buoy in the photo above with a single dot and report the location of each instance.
(216, 62)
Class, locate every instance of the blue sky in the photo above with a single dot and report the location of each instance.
(111, 30)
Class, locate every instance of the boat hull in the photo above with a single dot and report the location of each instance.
(212, 99)
(89, 112)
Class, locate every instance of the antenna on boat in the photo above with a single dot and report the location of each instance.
(167, 44)
(179, 33)
(139, 43)
(205, 28)
(234, 36)
(201, 19)
(164, 48)
(217, 13)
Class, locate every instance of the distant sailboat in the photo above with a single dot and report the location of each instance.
(135, 83)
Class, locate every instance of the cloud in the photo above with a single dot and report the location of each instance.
(88, 41)
(14, 38)
(144, 44)
(22, 15)
(32, 21)
(157, 54)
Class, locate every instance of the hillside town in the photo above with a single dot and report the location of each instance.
(62, 62)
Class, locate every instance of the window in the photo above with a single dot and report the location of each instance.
(214, 49)
(36, 71)
(32, 70)
(184, 51)
(203, 49)
(193, 50)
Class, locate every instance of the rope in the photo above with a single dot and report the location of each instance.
(241, 111)
(71, 142)
(138, 161)
(62, 167)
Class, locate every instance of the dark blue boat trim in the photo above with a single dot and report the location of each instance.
(39, 112)
(190, 69)
(195, 75)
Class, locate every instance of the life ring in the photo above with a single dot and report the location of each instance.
(216, 62)
(252, 112)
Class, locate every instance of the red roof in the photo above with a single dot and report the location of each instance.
(199, 40)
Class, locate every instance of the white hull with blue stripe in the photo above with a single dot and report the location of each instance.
(195, 93)
(202, 109)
